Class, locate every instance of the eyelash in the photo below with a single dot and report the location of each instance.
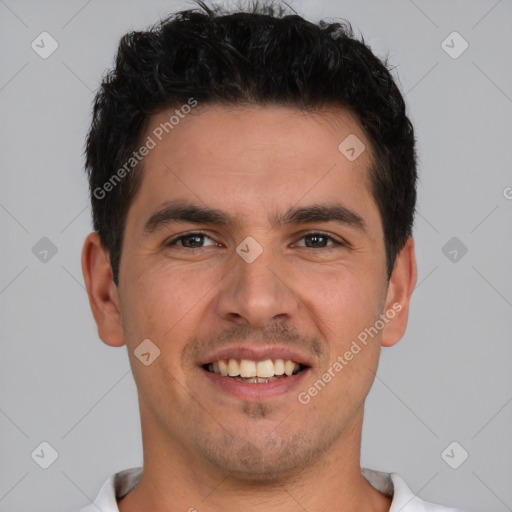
(173, 241)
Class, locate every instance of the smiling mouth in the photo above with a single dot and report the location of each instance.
(255, 372)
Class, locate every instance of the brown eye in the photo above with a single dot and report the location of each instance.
(318, 241)
(190, 241)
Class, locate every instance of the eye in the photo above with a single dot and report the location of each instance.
(194, 240)
(318, 240)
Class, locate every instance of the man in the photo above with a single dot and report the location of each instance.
(252, 181)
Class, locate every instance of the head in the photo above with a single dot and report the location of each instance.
(237, 125)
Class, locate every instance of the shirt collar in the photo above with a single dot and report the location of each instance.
(390, 484)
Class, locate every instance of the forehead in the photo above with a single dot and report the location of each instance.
(257, 157)
(254, 134)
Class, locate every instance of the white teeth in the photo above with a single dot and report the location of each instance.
(258, 371)
(289, 367)
(265, 368)
(278, 367)
(233, 368)
(247, 368)
(223, 368)
(256, 380)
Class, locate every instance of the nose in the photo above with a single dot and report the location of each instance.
(257, 293)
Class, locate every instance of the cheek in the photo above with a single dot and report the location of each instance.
(161, 308)
(343, 301)
(150, 306)
(164, 304)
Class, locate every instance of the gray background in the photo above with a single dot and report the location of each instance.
(448, 380)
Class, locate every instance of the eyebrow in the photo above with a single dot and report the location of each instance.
(179, 211)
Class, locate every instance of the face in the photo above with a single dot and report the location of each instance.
(253, 250)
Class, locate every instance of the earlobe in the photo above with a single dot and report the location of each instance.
(400, 288)
(101, 290)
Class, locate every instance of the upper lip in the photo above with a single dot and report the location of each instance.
(255, 354)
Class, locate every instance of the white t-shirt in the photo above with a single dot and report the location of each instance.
(391, 484)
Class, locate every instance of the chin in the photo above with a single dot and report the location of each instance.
(271, 460)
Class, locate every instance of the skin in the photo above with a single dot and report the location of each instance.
(206, 448)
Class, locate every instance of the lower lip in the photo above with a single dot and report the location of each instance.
(255, 392)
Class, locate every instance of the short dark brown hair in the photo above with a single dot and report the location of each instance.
(260, 55)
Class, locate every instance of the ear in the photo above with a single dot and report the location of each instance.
(400, 287)
(102, 291)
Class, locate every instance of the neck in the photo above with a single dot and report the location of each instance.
(173, 480)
